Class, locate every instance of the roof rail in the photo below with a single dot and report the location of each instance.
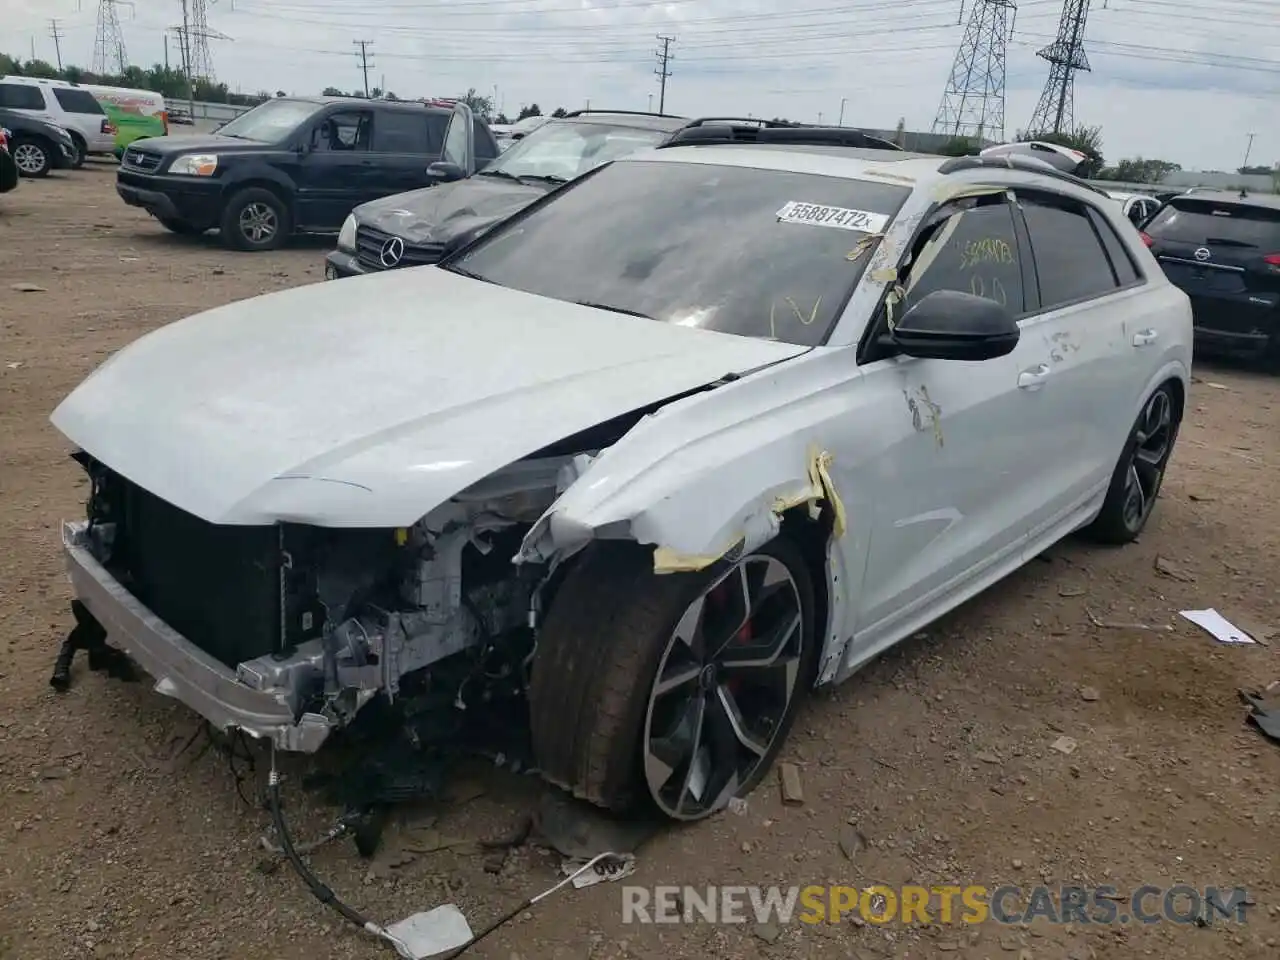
(728, 130)
(753, 121)
(1015, 162)
(623, 113)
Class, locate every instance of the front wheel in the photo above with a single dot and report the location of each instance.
(1136, 481)
(80, 154)
(674, 689)
(31, 156)
(255, 219)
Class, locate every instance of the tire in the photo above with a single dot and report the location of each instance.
(33, 156)
(180, 227)
(1143, 461)
(244, 206)
(81, 154)
(593, 700)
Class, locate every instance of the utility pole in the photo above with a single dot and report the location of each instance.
(664, 69)
(364, 46)
(651, 103)
(840, 122)
(1248, 150)
(166, 53)
(57, 40)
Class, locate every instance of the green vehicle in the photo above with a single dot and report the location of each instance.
(136, 114)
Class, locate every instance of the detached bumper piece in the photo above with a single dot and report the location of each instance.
(181, 669)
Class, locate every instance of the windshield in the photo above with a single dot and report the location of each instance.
(563, 149)
(758, 253)
(270, 121)
(1185, 220)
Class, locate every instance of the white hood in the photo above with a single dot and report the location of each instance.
(369, 401)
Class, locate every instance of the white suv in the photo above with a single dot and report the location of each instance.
(63, 104)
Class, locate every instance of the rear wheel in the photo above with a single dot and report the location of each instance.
(81, 152)
(674, 689)
(1136, 481)
(31, 155)
(255, 219)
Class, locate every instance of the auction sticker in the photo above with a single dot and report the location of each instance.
(819, 215)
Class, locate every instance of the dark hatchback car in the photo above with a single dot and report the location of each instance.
(295, 165)
(418, 228)
(1223, 250)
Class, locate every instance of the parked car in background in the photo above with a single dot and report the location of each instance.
(704, 428)
(1223, 250)
(181, 117)
(136, 114)
(8, 169)
(411, 229)
(1137, 207)
(66, 105)
(37, 147)
(294, 165)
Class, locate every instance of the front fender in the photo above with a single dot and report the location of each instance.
(705, 476)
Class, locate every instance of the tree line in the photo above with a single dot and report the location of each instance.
(172, 84)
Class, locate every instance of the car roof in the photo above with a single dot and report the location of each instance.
(382, 104)
(623, 118)
(854, 163)
(1269, 201)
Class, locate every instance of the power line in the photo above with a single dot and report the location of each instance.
(664, 69)
(973, 100)
(1056, 109)
(57, 40)
(364, 60)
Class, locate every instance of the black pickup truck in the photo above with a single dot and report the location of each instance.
(299, 165)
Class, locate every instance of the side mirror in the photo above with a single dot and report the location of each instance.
(950, 325)
(445, 172)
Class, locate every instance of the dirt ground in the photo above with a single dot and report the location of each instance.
(939, 754)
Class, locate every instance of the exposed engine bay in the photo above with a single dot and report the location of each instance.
(324, 620)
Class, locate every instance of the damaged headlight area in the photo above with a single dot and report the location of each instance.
(322, 620)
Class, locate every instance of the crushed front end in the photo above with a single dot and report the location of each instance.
(286, 631)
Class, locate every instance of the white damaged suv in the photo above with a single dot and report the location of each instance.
(709, 426)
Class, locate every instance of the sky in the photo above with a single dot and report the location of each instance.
(1180, 80)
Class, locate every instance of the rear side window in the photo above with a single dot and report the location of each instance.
(77, 101)
(399, 131)
(1070, 260)
(1121, 261)
(21, 96)
(1187, 220)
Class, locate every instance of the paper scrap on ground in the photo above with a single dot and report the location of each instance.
(434, 932)
(610, 869)
(1223, 630)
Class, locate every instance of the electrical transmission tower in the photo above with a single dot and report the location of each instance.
(109, 55)
(973, 101)
(193, 40)
(1056, 110)
(664, 69)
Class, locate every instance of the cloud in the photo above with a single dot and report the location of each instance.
(1186, 80)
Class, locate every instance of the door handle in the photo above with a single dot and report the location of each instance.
(1144, 338)
(1034, 378)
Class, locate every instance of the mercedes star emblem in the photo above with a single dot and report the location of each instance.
(1203, 254)
(393, 250)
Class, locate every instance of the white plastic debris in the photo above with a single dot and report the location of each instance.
(1222, 629)
(614, 868)
(428, 934)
